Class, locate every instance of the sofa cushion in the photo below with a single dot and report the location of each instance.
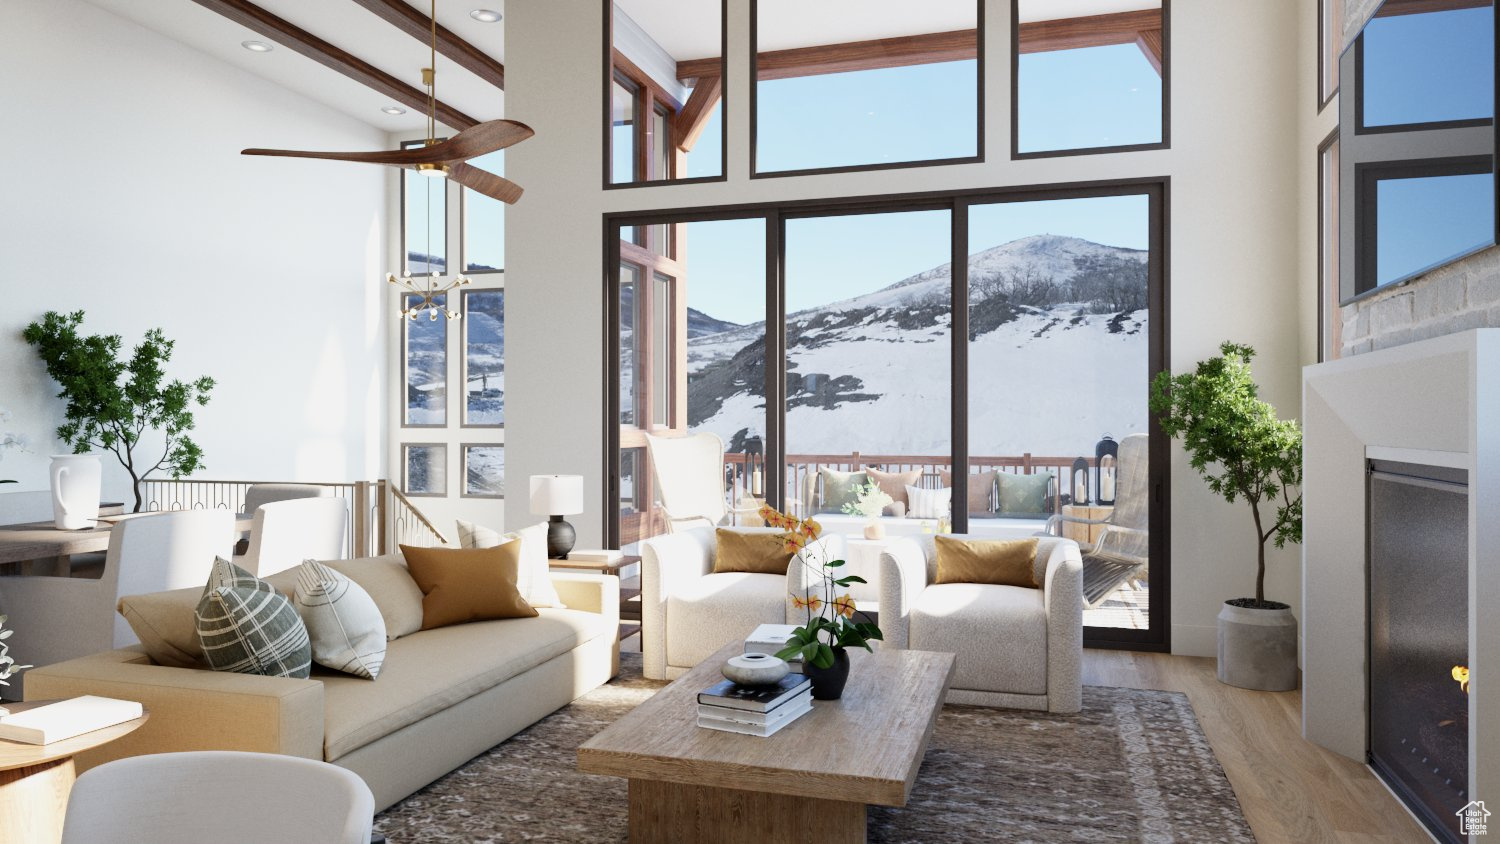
(390, 585)
(840, 488)
(534, 574)
(252, 630)
(435, 669)
(1024, 495)
(717, 609)
(756, 552)
(164, 622)
(981, 492)
(345, 626)
(1006, 562)
(460, 585)
(998, 633)
(894, 484)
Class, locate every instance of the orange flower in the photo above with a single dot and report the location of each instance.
(844, 606)
(811, 602)
(810, 528)
(795, 541)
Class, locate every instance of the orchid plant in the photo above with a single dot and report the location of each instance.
(869, 501)
(832, 620)
(8, 666)
(9, 440)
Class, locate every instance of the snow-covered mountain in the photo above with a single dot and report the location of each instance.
(1058, 358)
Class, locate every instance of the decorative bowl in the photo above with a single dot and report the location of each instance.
(755, 669)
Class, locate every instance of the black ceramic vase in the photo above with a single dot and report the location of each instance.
(828, 683)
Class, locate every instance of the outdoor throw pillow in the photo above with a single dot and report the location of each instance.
(981, 489)
(1006, 562)
(467, 584)
(1024, 494)
(840, 488)
(757, 552)
(533, 576)
(929, 503)
(344, 625)
(894, 484)
(252, 630)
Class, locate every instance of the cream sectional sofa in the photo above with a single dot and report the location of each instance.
(443, 696)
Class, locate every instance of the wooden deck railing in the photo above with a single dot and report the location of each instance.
(380, 517)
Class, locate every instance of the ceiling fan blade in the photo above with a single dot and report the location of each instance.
(472, 142)
(481, 181)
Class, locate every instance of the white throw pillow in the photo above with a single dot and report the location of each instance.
(346, 628)
(928, 503)
(533, 575)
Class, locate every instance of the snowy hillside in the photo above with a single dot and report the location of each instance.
(1058, 358)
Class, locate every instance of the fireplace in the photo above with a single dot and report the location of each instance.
(1418, 596)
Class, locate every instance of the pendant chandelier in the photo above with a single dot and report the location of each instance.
(422, 292)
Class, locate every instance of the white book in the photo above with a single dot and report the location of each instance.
(592, 555)
(770, 639)
(762, 731)
(790, 709)
(66, 719)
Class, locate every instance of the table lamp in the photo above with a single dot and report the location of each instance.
(556, 496)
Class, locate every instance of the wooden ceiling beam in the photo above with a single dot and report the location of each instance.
(1088, 31)
(304, 43)
(688, 125)
(1141, 27)
(1393, 8)
(411, 21)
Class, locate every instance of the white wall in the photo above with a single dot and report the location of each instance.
(1233, 262)
(125, 196)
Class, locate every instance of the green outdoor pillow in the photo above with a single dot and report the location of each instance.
(1023, 494)
(840, 488)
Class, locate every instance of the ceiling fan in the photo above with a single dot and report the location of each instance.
(440, 158)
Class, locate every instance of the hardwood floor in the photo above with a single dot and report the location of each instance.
(1290, 789)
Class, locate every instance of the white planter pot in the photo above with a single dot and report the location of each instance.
(1258, 648)
(76, 480)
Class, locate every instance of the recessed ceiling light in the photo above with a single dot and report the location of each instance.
(485, 15)
(394, 110)
(256, 46)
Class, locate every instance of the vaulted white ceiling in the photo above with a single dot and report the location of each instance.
(351, 28)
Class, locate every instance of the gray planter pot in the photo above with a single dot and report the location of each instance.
(1258, 648)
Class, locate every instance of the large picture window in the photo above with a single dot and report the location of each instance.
(1089, 83)
(839, 349)
(665, 91)
(837, 87)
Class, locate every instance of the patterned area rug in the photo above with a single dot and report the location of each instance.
(1132, 766)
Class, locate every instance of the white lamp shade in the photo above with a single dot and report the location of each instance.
(557, 495)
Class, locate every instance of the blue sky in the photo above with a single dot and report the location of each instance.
(1426, 221)
(1429, 67)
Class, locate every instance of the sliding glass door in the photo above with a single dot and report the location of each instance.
(980, 359)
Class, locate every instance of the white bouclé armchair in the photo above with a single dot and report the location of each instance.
(688, 612)
(1017, 647)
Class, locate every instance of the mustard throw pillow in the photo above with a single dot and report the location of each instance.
(758, 553)
(1005, 562)
(467, 584)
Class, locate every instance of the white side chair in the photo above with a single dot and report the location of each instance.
(19, 508)
(219, 795)
(688, 613)
(689, 475)
(257, 495)
(62, 618)
(1017, 648)
(285, 533)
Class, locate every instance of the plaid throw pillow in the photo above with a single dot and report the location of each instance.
(246, 627)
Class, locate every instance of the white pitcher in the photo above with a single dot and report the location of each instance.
(76, 480)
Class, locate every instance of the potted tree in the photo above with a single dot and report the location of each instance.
(1243, 451)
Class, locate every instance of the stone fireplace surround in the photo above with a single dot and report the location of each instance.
(1434, 402)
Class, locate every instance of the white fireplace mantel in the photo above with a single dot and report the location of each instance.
(1434, 402)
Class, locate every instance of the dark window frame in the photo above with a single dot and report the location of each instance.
(1324, 291)
(1158, 636)
(977, 158)
(645, 108)
(1015, 96)
(1359, 101)
(1367, 176)
(1323, 98)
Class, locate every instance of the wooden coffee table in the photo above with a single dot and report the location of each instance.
(809, 782)
(35, 779)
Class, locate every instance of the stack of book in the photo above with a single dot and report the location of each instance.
(754, 710)
(770, 639)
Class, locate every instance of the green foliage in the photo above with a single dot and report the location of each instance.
(8, 666)
(1236, 442)
(113, 402)
(832, 621)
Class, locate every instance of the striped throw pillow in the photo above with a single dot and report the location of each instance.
(928, 503)
(251, 630)
(343, 623)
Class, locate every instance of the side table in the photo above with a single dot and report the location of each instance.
(35, 779)
(1084, 534)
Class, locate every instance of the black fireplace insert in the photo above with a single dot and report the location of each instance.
(1418, 559)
